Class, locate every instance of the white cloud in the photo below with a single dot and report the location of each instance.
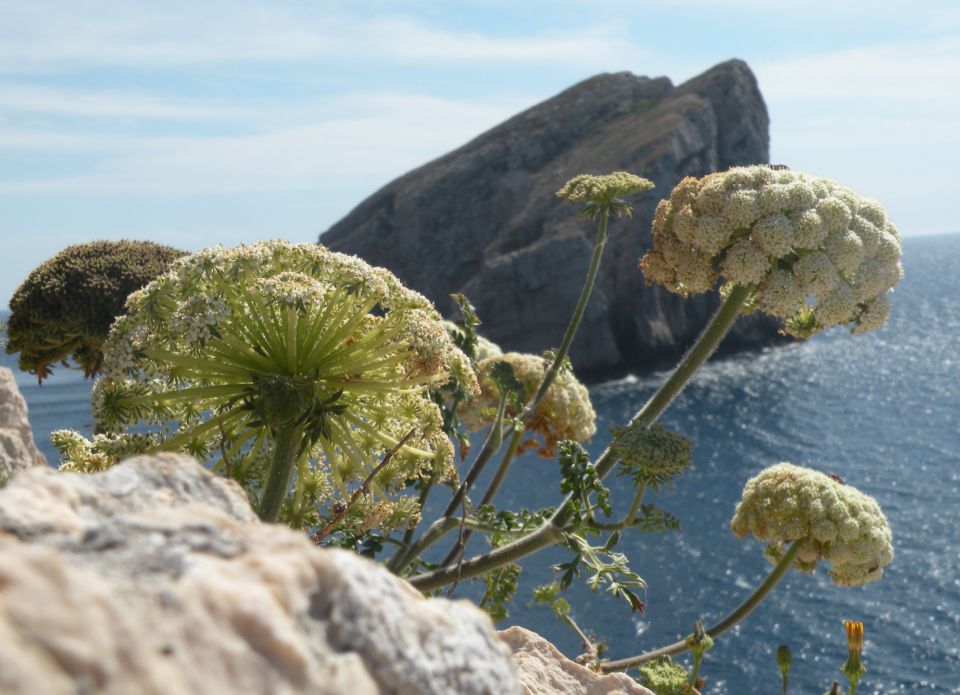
(16, 97)
(385, 135)
(67, 35)
(881, 118)
(879, 96)
(901, 74)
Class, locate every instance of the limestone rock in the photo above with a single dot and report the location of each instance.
(155, 577)
(17, 449)
(483, 220)
(543, 669)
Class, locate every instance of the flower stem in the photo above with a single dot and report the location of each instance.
(501, 473)
(738, 614)
(708, 341)
(286, 442)
(490, 445)
(585, 292)
(545, 536)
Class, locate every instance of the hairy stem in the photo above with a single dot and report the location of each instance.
(738, 614)
(286, 443)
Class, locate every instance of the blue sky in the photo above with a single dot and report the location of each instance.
(197, 123)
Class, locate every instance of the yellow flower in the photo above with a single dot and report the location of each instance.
(854, 668)
(854, 636)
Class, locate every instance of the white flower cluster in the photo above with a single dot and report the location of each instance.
(829, 519)
(81, 455)
(564, 413)
(816, 253)
(590, 188)
(292, 289)
(196, 316)
(230, 344)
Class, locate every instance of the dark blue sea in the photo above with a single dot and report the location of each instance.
(881, 410)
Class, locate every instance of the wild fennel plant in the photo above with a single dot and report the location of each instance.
(277, 359)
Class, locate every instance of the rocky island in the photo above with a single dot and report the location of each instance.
(483, 220)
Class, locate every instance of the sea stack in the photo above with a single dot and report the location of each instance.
(483, 220)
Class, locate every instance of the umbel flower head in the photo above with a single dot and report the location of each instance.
(829, 519)
(564, 413)
(604, 193)
(815, 253)
(63, 310)
(242, 347)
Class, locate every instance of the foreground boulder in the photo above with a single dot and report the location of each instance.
(543, 669)
(156, 577)
(483, 220)
(17, 448)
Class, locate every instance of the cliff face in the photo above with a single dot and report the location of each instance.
(483, 220)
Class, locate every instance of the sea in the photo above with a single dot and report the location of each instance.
(881, 410)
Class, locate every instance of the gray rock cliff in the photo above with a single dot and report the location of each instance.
(483, 220)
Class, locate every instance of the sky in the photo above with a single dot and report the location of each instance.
(200, 123)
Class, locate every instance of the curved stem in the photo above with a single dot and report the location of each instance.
(441, 527)
(491, 445)
(578, 312)
(437, 530)
(738, 614)
(501, 473)
(286, 442)
(627, 521)
(546, 535)
(720, 324)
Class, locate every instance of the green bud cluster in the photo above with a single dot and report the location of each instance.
(665, 677)
(63, 310)
(815, 253)
(652, 456)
